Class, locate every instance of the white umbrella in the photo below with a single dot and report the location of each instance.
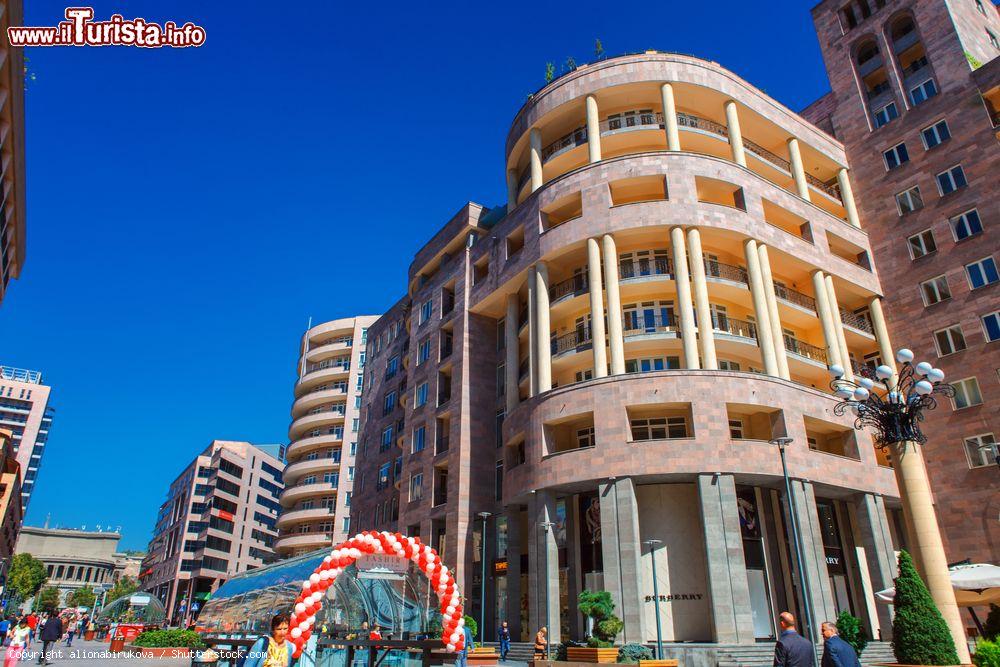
(975, 586)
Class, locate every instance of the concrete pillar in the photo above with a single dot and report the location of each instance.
(728, 589)
(543, 331)
(514, 549)
(847, 197)
(915, 492)
(543, 565)
(511, 189)
(593, 130)
(512, 358)
(765, 339)
(772, 311)
(876, 540)
(597, 308)
(838, 327)
(882, 334)
(798, 171)
(535, 139)
(735, 134)
(706, 334)
(670, 117)
(621, 546)
(826, 320)
(813, 555)
(615, 330)
(685, 308)
(532, 326)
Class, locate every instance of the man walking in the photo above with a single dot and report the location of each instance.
(837, 652)
(792, 649)
(51, 633)
(503, 634)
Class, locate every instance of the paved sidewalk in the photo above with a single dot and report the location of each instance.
(92, 654)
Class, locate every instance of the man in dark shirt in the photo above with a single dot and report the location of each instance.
(792, 649)
(51, 632)
(837, 652)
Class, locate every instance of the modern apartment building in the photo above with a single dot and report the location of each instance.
(25, 411)
(219, 519)
(600, 367)
(323, 436)
(12, 166)
(915, 99)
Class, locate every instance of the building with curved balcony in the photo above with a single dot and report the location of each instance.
(594, 373)
(323, 436)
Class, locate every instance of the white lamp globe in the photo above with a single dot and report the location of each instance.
(923, 387)
(904, 356)
(837, 371)
(861, 394)
(867, 383)
(923, 368)
(883, 372)
(936, 375)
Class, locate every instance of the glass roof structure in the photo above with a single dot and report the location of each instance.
(133, 608)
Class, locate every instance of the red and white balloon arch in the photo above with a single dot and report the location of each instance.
(309, 601)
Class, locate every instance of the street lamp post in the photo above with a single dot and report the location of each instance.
(793, 522)
(482, 583)
(546, 526)
(892, 405)
(652, 544)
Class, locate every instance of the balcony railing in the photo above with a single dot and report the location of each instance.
(637, 120)
(803, 349)
(797, 298)
(522, 369)
(641, 267)
(699, 123)
(765, 154)
(643, 324)
(733, 326)
(577, 137)
(830, 188)
(571, 341)
(715, 269)
(859, 322)
(576, 284)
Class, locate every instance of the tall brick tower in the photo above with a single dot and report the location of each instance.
(915, 96)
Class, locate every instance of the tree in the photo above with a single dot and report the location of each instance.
(27, 575)
(850, 630)
(550, 72)
(47, 599)
(82, 597)
(598, 606)
(991, 629)
(598, 48)
(124, 586)
(472, 625)
(919, 634)
(570, 64)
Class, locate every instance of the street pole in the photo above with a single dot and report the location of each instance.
(546, 525)
(656, 597)
(793, 522)
(482, 583)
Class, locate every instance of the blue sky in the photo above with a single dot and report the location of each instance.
(189, 210)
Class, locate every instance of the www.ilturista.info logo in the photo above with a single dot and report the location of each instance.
(79, 29)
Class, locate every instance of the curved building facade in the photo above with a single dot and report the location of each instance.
(680, 262)
(323, 436)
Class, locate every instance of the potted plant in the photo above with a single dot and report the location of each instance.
(919, 634)
(167, 643)
(597, 606)
(850, 630)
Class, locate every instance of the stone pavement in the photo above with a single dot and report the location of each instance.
(92, 654)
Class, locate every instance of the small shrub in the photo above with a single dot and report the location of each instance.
(561, 649)
(987, 654)
(919, 634)
(472, 625)
(850, 630)
(633, 653)
(169, 639)
(991, 629)
(594, 642)
(599, 606)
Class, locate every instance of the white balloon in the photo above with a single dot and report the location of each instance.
(306, 585)
(431, 556)
(430, 568)
(450, 610)
(327, 559)
(454, 637)
(300, 607)
(314, 578)
(450, 647)
(296, 633)
(904, 356)
(324, 575)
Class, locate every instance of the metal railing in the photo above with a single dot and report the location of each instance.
(859, 322)
(571, 341)
(639, 120)
(575, 284)
(699, 123)
(762, 152)
(733, 326)
(643, 324)
(577, 137)
(803, 349)
(643, 266)
(716, 269)
(793, 296)
(830, 188)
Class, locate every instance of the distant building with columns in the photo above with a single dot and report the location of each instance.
(601, 364)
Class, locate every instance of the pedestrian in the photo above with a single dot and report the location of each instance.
(5, 626)
(470, 643)
(274, 650)
(503, 634)
(541, 643)
(51, 633)
(376, 633)
(19, 638)
(70, 631)
(32, 624)
(837, 652)
(792, 649)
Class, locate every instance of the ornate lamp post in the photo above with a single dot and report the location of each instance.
(892, 407)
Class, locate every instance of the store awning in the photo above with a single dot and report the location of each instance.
(975, 586)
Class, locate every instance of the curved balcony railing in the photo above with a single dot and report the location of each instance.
(765, 154)
(567, 142)
(699, 123)
(855, 321)
(578, 283)
(795, 297)
(733, 326)
(830, 188)
(803, 349)
(642, 267)
(632, 120)
(642, 324)
(573, 340)
(714, 269)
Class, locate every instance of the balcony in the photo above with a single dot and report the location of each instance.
(299, 469)
(856, 321)
(795, 298)
(634, 269)
(572, 341)
(734, 327)
(303, 446)
(294, 494)
(314, 420)
(298, 516)
(302, 540)
(565, 143)
(870, 65)
(904, 41)
(648, 323)
(805, 351)
(573, 286)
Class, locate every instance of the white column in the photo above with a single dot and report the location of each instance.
(772, 310)
(847, 197)
(512, 360)
(615, 333)
(798, 171)
(706, 333)
(542, 335)
(764, 337)
(826, 320)
(597, 308)
(511, 189)
(838, 326)
(670, 117)
(535, 138)
(532, 326)
(685, 309)
(593, 130)
(735, 134)
(882, 334)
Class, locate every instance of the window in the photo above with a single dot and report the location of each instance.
(420, 398)
(424, 351)
(355, 424)
(885, 114)
(991, 326)
(583, 376)
(949, 340)
(981, 450)
(979, 6)
(909, 201)
(392, 367)
(966, 393)
(419, 439)
(993, 39)
(966, 225)
(383, 477)
(982, 273)
(350, 474)
(935, 290)
(895, 156)
(935, 134)
(923, 92)
(416, 486)
(652, 364)
(736, 429)
(659, 428)
(922, 244)
(585, 437)
(951, 180)
(426, 308)
(389, 403)
(728, 365)
(386, 439)
(498, 483)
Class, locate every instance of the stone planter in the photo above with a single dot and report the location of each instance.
(161, 652)
(591, 655)
(483, 657)
(88, 636)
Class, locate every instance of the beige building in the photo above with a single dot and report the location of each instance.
(12, 170)
(323, 436)
(74, 558)
(25, 412)
(10, 498)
